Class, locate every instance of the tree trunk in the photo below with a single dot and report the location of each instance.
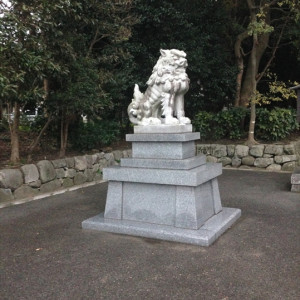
(239, 77)
(252, 70)
(262, 41)
(37, 140)
(64, 136)
(1, 111)
(251, 140)
(46, 88)
(14, 134)
(254, 60)
(240, 64)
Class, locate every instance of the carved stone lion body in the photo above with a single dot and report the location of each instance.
(163, 101)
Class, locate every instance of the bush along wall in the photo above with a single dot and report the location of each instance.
(44, 177)
(271, 125)
(269, 157)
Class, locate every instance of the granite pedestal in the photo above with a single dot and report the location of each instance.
(164, 191)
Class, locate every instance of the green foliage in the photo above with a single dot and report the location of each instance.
(201, 30)
(204, 122)
(37, 123)
(4, 126)
(271, 125)
(94, 134)
(23, 50)
(275, 124)
(230, 122)
(79, 92)
(25, 123)
(224, 124)
(92, 53)
(277, 91)
(259, 27)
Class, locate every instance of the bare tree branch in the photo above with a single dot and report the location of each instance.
(36, 141)
(95, 40)
(278, 20)
(285, 11)
(273, 53)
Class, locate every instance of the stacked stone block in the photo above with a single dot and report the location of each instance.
(295, 180)
(269, 157)
(48, 176)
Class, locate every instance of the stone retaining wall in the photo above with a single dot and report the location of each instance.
(48, 176)
(269, 157)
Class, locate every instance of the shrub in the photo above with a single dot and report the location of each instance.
(203, 122)
(275, 124)
(4, 125)
(92, 134)
(271, 125)
(25, 123)
(230, 123)
(224, 124)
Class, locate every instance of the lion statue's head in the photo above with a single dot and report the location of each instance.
(170, 65)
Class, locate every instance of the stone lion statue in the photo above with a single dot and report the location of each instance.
(163, 101)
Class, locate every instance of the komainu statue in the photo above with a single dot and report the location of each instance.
(163, 101)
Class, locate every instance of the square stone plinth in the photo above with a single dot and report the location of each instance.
(204, 236)
(162, 145)
(163, 150)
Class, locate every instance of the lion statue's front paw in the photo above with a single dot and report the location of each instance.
(171, 121)
(151, 121)
(184, 120)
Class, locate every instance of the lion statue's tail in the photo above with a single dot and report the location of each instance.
(134, 110)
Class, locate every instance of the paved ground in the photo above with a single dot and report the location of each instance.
(46, 255)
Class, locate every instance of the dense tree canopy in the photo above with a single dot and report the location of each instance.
(49, 57)
(201, 31)
(83, 57)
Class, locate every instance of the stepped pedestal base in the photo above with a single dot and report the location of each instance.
(203, 236)
(164, 191)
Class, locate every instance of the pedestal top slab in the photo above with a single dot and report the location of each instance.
(163, 128)
(193, 177)
(163, 137)
(175, 164)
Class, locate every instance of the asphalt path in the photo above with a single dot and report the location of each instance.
(45, 254)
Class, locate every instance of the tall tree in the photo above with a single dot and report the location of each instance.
(253, 66)
(266, 17)
(23, 61)
(268, 20)
(43, 42)
(76, 95)
(93, 30)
